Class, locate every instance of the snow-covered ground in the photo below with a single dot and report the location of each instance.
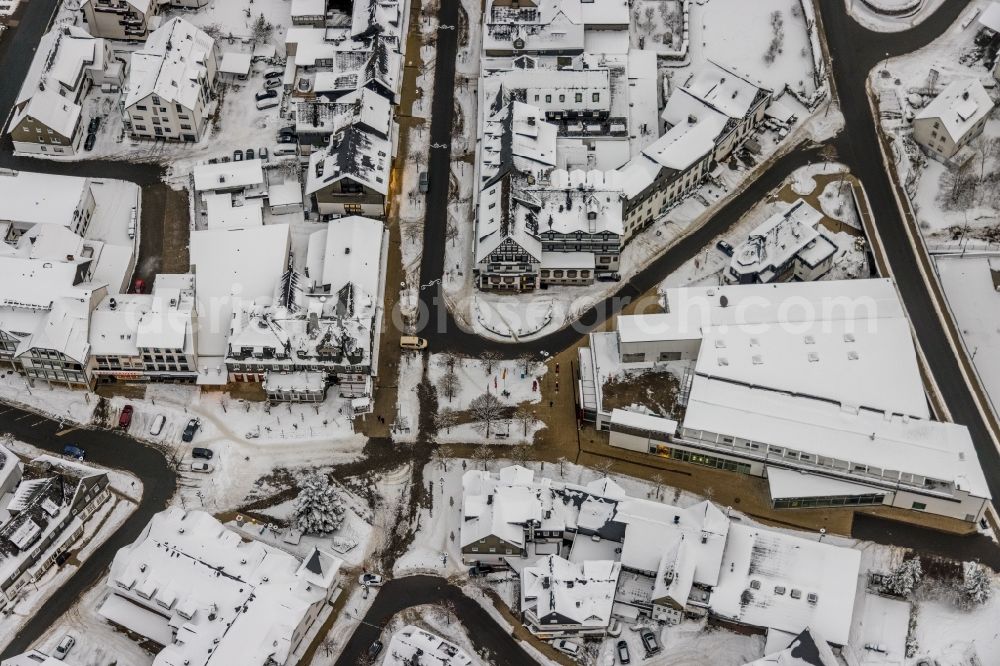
(127, 492)
(895, 15)
(435, 619)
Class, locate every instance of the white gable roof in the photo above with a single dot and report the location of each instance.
(962, 104)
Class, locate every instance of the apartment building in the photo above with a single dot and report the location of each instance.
(171, 84)
(48, 115)
(32, 199)
(953, 118)
(119, 19)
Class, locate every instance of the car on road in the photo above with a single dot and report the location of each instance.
(74, 451)
(158, 424)
(203, 453)
(203, 468)
(65, 645)
(88, 143)
(609, 277)
(623, 654)
(424, 182)
(374, 649)
(125, 420)
(139, 286)
(412, 342)
(237, 155)
(649, 641)
(566, 647)
(370, 579)
(725, 248)
(190, 429)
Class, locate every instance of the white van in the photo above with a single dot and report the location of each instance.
(157, 426)
(412, 342)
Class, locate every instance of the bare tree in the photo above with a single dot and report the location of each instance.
(446, 419)
(490, 360)
(451, 232)
(482, 454)
(604, 467)
(525, 417)
(328, 645)
(519, 455)
(958, 188)
(447, 360)
(448, 606)
(527, 359)
(658, 480)
(487, 410)
(449, 384)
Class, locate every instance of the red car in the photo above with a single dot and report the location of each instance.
(139, 286)
(126, 418)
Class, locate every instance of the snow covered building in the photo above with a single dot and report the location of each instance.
(707, 118)
(45, 506)
(351, 175)
(587, 552)
(235, 268)
(212, 598)
(325, 327)
(411, 645)
(812, 385)
(31, 199)
(147, 337)
(790, 245)
(48, 113)
(230, 194)
(550, 27)
(309, 12)
(171, 84)
(119, 19)
(953, 118)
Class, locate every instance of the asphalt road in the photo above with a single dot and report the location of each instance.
(403, 593)
(107, 448)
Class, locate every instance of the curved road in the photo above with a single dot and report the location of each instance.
(107, 448)
(402, 593)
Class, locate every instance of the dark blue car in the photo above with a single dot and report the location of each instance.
(74, 452)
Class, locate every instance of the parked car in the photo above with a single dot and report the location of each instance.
(93, 125)
(424, 182)
(374, 649)
(268, 99)
(274, 74)
(190, 429)
(88, 143)
(286, 138)
(623, 655)
(237, 155)
(370, 579)
(649, 641)
(74, 451)
(65, 645)
(264, 95)
(566, 647)
(139, 286)
(480, 569)
(249, 153)
(125, 420)
(615, 628)
(203, 453)
(157, 426)
(272, 83)
(609, 277)
(412, 342)
(262, 154)
(725, 248)
(285, 149)
(204, 468)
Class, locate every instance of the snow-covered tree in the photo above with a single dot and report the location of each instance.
(904, 579)
(318, 508)
(976, 586)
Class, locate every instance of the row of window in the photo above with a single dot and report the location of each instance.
(814, 502)
(569, 273)
(577, 97)
(701, 459)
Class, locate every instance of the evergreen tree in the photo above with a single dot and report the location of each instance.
(976, 586)
(318, 508)
(904, 579)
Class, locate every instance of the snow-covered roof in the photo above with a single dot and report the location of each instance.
(928, 449)
(723, 89)
(810, 338)
(173, 65)
(250, 615)
(31, 198)
(990, 18)
(234, 265)
(630, 419)
(579, 593)
(228, 175)
(351, 252)
(771, 579)
(354, 153)
(287, 193)
(774, 242)
(308, 8)
(302, 380)
(34, 657)
(235, 63)
(793, 483)
(223, 210)
(411, 645)
(64, 329)
(962, 104)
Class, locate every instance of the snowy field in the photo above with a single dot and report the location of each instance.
(910, 13)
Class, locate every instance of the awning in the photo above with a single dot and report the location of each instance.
(788, 483)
